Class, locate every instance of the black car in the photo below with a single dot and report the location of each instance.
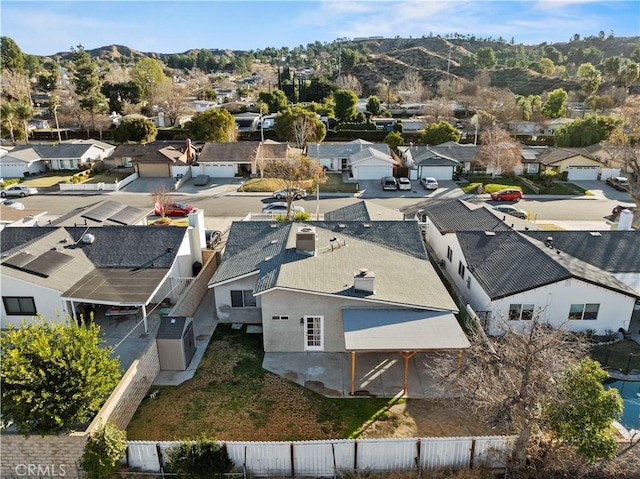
(213, 238)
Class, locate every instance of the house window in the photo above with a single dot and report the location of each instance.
(520, 312)
(449, 254)
(532, 168)
(126, 162)
(584, 311)
(461, 269)
(19, 305)
(243, 299)
(279, 318)
(313, 334)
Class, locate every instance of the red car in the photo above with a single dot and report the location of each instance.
(175, 209)
(507, 195)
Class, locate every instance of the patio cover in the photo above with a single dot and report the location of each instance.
(406, 331)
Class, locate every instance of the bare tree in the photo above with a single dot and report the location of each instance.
(162, 200)
(198, 83)
(171, 101)
(499, 152)
(16, 86)
(117, 74)
(302, 128)
(297, 172)
(350, 82)
(505, 379)
(411, 87)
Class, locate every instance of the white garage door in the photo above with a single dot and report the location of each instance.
(577, 173)
(371, 172)
(437, 172)
(220, 170)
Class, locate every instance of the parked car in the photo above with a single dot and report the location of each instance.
(512, 210)
(201, 180)
(404, 183)
(175, 209)
(295, 193)
(280, 207)
(619, 183)
(13, 204)
(213, 238)
(389, 183)
(429, 183)
(618, 209)
(18, 191)
(507, 195)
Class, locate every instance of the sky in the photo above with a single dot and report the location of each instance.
(163, 26)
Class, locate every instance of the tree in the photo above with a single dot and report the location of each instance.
(555, 105)
(11, 57)
(299, 125)
(506, 378)
(170, 100)
(590, 79)
(586, 131)
(499, 152)
(138, 130)
(547, 66)
(291, 173)
(212, 125)
(350, 82)
(87, 83)
(486, 58)
(581, 412)
(438, 133)
(275, 100)
(148, 73)
(54, 375)
(629, 73)
(118, 94)
(600, 103)
(548, 176)
(411, 86)
(394, 140)
(7, 112)
(346, 102)
(103, 450)
(373, 105)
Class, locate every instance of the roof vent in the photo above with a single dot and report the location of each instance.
(267, 258)
(274, 225)
(88, 238)
(595, 233)
(363, 281)
(489, 233)
(274, 241)
(341, 225)
(366, 225)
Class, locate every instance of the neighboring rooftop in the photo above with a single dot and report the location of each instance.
(456, 215)
(364, 211)
(105, 212)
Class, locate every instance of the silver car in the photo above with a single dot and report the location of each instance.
(18, 191)
(280, 207)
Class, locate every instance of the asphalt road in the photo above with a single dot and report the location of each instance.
(574, 209)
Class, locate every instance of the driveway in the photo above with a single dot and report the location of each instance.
(447, 190)
(603, 191)
(149, 185)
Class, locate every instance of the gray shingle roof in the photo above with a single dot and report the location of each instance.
(343, 150)
(456, 215)
(364, 211)
(614, 251)
(90, 215)
(392, 249)
(426, 156)
(508, 262)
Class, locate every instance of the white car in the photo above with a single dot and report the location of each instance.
(512, 210)
(280, 208)
(404, 183)
(18, 191)
(429, 183)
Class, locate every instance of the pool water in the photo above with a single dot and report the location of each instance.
(630, 393)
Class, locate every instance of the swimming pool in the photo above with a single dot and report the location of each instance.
(630, 392)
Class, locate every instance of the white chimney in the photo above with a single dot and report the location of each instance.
(306, 240)
(625, 221)
(363, 281)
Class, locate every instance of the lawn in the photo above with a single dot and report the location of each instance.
(107, 177)
(334, 184)
(46, 180)
(491, 185)
(232, 398)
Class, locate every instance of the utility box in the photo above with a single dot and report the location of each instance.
(176, 343)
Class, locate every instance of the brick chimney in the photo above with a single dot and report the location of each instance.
(189, 151)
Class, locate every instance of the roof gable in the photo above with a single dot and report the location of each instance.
(455, 215)
(232, 151)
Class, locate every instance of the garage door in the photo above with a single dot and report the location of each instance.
(437, 172)
(220, 170)
(153, 170)
(371, 172)
(577, 173)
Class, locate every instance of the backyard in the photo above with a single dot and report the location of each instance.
(232, 398)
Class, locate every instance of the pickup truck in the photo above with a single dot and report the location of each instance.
(619, 183)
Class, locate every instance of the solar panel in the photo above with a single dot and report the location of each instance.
(104, 211)
(127, 216)
(19, 260)
(47, 263)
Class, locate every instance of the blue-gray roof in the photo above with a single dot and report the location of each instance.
(455, 215)
(426, 156)
(364, 211)
(343, 150)
(59, 150)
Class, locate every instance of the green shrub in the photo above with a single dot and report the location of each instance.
(105, 447)
(201, 459)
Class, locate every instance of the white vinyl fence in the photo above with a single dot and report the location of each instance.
(327, 458)
(98, 186)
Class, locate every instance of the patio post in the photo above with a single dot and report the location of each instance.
(406, 355)
(73, 312)
(353, 373)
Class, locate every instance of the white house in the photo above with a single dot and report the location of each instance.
(507, 276)
(373, 160)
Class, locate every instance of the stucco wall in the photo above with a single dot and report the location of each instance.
(227, 314)
(47, 301)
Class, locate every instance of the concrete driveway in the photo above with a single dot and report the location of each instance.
(148, 185)
(603, 191)
(447, 190)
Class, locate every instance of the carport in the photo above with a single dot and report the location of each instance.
(402, 331)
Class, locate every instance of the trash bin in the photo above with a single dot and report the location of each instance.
(480, 189)
(196, 268)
